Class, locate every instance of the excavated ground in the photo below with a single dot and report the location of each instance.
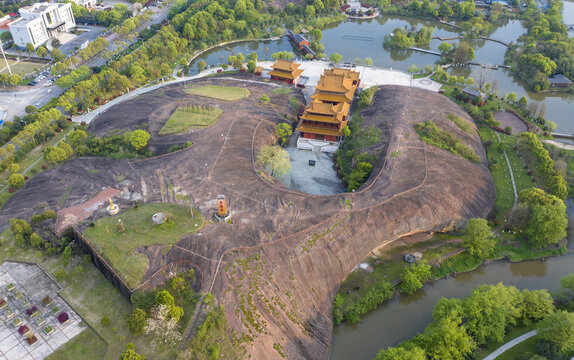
(277, 266)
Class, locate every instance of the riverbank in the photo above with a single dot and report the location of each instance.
(409, 314)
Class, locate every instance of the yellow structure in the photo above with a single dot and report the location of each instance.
(286, 70)
(326, 115)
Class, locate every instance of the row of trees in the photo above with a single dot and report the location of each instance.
(553, 180)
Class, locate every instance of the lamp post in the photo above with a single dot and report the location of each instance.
(4, 55)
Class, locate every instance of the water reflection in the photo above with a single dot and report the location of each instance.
(414, 298)
(528, 270)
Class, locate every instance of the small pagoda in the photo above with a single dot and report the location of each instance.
(286, 70)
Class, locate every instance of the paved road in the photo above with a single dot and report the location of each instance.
(14, 102)
(510, 344)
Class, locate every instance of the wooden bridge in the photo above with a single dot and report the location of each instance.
(425, 51)
(487, 66)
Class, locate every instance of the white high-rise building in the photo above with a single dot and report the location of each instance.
(41, 22)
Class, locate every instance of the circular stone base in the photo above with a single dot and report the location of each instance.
(113, 210)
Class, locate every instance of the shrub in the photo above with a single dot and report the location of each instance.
(359, 175)
(63, 317)
(105, 321)
(433, 135)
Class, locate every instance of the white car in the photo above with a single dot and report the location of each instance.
(38, 104)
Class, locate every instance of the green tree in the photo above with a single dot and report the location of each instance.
(14, 169)
(335, 58)
(16, 181)
(445, 47)
(30, 109)
(413, 69)
(131, 354)
(36, 240)
(491, 310)
(138, 139)
(77, 137)
(547, 224)
(29, 48)
(368, 61)
(447, 338)
(478, 238)
(567, 282)
(136, 321)
(511, 97)
(283, 131)
(558, 328)
(55, 155)
(251, 65)
(359, 175)
(536, 305)
(164, 298)
(400, 353)
(67, 254)
(310, 11)
(201, 65)
(41, 51)
(415, 276)
(276, 158)
(346, 131)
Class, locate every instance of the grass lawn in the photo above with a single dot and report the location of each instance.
(87, 346)
(500, 172)
(22, 67)
(523, 351)
(227, 93)
(119, 249)
(281, 91)
(490, 347)
(184, 119)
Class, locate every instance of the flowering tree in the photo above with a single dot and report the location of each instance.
(163, 328)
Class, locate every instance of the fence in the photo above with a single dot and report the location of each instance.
(101, 264)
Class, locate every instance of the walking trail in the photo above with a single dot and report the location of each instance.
(510, 344)
(511, 175)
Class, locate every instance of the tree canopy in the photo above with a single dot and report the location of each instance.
(275, 158)
(478, 238)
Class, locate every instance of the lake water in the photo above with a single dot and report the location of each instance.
(360, 39)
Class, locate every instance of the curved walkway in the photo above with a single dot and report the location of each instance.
(370, 76)
(510, 344)
(511, 174)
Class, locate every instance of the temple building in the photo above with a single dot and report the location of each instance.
(322, 122)
(285, 70)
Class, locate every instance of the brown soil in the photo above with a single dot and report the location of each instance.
(506, 118)
(288, 250)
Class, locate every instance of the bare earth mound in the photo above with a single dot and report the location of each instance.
(288, 250)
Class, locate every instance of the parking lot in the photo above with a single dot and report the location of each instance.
(89, 33)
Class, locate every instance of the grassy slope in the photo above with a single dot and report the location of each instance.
(228, 93)
(183, 120)
(120, 249)
(500, 172)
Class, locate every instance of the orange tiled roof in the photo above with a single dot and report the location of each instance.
(311, 130)
(348, 73)
(285, 65)
(338, 83)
